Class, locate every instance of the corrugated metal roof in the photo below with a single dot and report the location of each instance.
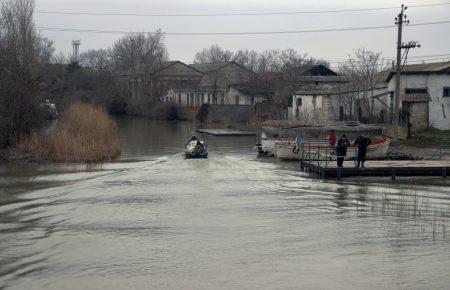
(207, 67)
(319, 79)
(422, 97)
(427, 67)
(423, 68)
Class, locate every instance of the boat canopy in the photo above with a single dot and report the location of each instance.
(317, 130)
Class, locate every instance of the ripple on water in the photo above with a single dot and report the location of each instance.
(231, 221)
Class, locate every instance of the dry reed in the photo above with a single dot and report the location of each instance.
(84, 134)
(423, 215)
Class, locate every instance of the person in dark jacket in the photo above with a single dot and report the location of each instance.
(341, 150)
(362, 142)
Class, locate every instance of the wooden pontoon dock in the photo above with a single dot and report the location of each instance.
(225, 132)
(379, 168)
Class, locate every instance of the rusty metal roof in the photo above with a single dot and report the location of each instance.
(422, 97)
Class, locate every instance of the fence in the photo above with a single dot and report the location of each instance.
(318, 152)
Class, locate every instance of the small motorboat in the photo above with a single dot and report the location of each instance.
(196, 148)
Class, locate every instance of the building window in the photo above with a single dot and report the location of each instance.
(299, 102)
(236, 100)
(446, 92)
(416, 90)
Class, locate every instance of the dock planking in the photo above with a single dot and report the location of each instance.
(225, 132)
(380, 168)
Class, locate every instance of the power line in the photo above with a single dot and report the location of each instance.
(419, 57)
(57, 29)
(234, 14)
(415, 61)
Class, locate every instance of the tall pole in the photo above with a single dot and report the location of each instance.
(401, 18)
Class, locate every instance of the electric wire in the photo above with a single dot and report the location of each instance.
(236, 14)
(58, 29)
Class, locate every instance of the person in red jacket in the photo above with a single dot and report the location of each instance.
(332, 138)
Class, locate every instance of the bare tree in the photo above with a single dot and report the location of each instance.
(139, 52)
(23, 56)
(96, 59)
(364, 69)
(247, 58)
(213, 54)
(137, 56)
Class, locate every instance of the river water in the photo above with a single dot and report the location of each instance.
(153, 220)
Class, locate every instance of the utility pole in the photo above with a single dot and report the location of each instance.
(399, 20)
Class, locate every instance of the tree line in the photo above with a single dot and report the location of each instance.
(31, 71)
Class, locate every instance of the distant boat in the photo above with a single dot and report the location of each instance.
(196, 148)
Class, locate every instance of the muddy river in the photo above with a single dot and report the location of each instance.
(153, 220)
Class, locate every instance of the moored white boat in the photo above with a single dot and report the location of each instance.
(280, 141)
(316, 149)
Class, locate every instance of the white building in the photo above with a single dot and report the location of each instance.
(313, 100)
(429, 81)
(221, 84)
(238, 94)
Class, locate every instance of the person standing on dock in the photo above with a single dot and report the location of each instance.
(332, 138)
(341, 150)
(363, 142)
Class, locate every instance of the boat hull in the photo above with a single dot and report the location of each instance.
(195, 156)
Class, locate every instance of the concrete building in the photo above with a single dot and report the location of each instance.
(220, 84)
(422, 86)
(169, 74)
(313, 99)
(424, 98)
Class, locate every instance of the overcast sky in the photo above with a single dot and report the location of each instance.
(329, 45)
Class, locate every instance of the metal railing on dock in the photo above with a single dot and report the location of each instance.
(320, 153)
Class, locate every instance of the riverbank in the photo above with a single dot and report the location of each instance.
(410, 151)
(85, 134)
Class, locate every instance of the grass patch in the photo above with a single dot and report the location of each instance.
(430, 137)
(84, 134)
